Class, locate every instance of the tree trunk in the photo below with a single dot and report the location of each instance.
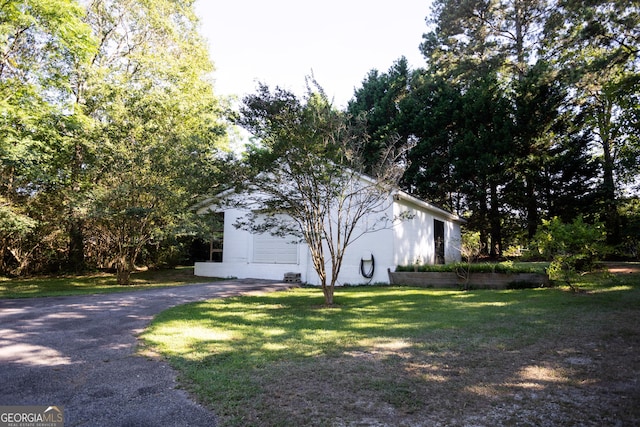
(496, 226)
(123, 276)
(75, 256)
(612, 218)
(483, 225)
(327, 290)
(532, 207)
(124, 269)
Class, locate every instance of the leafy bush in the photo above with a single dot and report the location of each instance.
(572, 248)
(629, 246)
(484, 267)
(555, 237)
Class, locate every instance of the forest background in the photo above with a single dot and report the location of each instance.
(110, 130)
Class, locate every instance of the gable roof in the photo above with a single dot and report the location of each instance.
(398, 195)
(401, 195)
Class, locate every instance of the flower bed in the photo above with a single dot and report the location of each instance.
(475, 280)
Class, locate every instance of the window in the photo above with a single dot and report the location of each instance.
(217, 236)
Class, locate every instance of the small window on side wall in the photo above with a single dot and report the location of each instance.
(217, 237)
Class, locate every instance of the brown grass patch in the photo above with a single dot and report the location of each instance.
(588, 379)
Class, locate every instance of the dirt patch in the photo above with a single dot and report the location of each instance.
(623, 267)
(589, 383)
(579, 374)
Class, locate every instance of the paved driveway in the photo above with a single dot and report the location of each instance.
(78, 352)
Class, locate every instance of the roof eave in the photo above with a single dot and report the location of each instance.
(401, 195)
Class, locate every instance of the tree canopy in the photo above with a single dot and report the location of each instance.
(120, 134)
(525, 111)
(304, 177)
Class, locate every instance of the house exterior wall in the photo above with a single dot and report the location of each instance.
(400, 244)
(373, 249)
(414, 238)
(238, 254)
(238, 262)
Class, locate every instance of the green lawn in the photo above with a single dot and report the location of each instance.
(412, 356)
(95, 283)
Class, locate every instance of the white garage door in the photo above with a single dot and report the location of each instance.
(268, 249)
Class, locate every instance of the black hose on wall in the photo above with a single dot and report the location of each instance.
(368, 274)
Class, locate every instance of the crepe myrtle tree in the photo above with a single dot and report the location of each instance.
(302, 176)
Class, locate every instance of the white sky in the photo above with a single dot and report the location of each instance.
(279, 42)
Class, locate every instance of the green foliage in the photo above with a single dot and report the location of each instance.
(15, 228)
(596, 48)
(471, 246)
(14, 223)
(109, 129)
(426, 114)
(43, 42)
(506, 117)
(629, 246)
(378, 102)
(303, 177)
(572, 248)
(506, 267)
(578, 237)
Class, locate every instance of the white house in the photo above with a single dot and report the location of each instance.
(430, 236)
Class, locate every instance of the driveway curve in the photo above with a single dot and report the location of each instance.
(78, 352)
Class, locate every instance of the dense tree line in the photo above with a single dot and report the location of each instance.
(109, 130)
(526, 110)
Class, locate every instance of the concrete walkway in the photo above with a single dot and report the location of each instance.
(78, 352)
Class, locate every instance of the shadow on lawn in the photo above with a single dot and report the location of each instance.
(404, 355)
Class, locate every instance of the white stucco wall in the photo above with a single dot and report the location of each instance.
(414, 238)
(379, 244)
(237, 259)
(400, 244)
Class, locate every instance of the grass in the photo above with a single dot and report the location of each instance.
(412, 356)
(95, 283)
